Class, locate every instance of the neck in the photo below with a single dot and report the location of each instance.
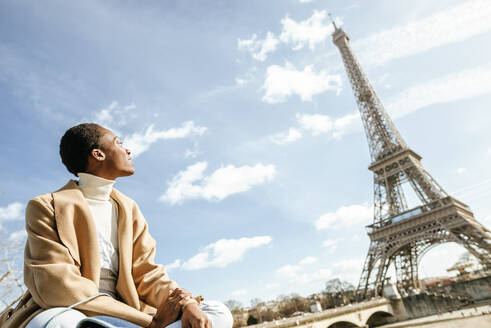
(95, 187)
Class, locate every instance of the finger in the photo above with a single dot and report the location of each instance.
(182, 291)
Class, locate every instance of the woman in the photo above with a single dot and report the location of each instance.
(88, 245)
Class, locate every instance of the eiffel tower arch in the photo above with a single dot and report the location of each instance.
(401, 235)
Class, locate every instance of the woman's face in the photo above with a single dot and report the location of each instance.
(117, 162)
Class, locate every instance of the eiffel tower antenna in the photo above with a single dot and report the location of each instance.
(402, 235)
(332, 21)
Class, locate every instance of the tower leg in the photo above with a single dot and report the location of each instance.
(406, 265)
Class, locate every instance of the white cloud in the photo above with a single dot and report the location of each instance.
(13, 211)
(311, 277)
(115, 115)
(308, 260)
(296, 274)
(455, 86)
(345, 216)
(348, 265)
(311, 31)
(349, 269)
(259, 49)
(224, 252)
(18, 235)
(331, 244)
(316, 123)
(191, 153)
(286, 137)
(439, 259)
(305, 1)
(346, 123)
(288, 270)
(282, 82)
(239, 292)
(228, 180)
(272, 285)
(445, 27)
(174, 265)
(244, 79)
(461, 170)
(139, 143)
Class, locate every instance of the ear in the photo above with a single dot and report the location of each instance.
(98, 155)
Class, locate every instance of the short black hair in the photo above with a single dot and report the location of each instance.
(76, 145)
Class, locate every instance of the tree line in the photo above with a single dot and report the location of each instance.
(336, 293)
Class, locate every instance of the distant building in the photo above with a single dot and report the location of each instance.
(315, 307)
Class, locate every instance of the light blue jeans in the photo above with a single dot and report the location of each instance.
(217, 312)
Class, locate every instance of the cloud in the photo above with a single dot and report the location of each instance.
(315, 123)
(244, 79)
(311, 277)
(224, 252)
(349, 269)
(318, 124)
(282, 82)
(449, 26)
(460, 85)
(331, 244)
(345, 216)
(272, 285)
(13, 211)
(286, 137)
(456, 86)
(191, 153)
(259, 49)
(288, 270)
(436, 262)
(192, 184)
(461, 170)
(305, 1)
(18, 235)
(140, 142)
(344, 124)
(174, 265)
(296, 275)
(308, 260)
(348, 265)
(239, 292)
(115, 115)
(311, 31)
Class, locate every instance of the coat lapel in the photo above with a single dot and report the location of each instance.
(77, 230)
(125, 244)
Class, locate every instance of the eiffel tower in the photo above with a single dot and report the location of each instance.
(399, 234)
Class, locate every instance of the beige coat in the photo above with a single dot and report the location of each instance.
(62, 265)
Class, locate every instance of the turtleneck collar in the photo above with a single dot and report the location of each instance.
(94, 187)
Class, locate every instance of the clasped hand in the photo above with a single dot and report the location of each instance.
(177, 304)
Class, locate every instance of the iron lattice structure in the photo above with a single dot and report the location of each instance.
(399, 234)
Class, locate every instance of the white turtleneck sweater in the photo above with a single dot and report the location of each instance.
(104, 209)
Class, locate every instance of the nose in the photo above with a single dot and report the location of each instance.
(128, 151)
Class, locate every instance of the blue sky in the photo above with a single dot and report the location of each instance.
(251, 161)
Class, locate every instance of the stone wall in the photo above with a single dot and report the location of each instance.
(478, 289)
(426, 304)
